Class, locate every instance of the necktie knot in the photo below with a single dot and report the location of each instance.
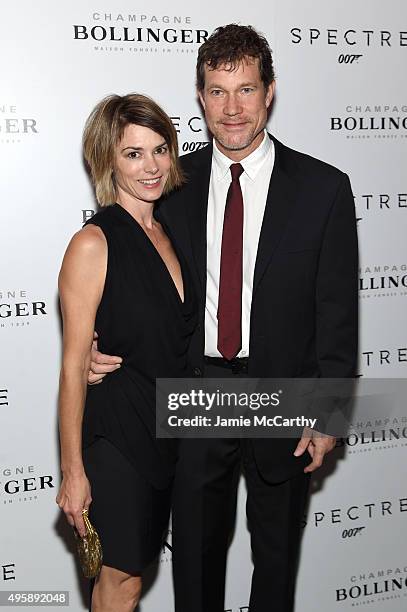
(236, 170)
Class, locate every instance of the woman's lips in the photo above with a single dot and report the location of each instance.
(150, 183)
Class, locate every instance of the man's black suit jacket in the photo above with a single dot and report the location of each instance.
(304, 314)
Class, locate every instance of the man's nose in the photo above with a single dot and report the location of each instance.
(232, 106)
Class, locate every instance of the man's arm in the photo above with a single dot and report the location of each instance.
(101, 364)
(337, 290)
(336, 308)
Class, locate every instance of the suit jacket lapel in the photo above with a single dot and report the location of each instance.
(279, 205)
(197, 206)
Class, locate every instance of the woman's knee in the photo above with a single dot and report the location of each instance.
(113, 585)
(130, 588)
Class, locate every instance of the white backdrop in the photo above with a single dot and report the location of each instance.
(342, 97)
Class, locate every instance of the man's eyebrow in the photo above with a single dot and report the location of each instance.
(246, 84)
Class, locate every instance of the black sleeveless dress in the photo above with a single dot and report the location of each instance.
(142, 318)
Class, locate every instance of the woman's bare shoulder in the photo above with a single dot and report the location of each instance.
(85, 258)
(90, 240)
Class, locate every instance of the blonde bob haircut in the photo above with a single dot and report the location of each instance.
(104, 129)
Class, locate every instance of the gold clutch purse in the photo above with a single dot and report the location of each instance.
(89, 549)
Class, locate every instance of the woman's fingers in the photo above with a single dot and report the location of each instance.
(73, 498)
(79, 523)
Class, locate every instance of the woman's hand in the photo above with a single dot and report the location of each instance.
(73, 497)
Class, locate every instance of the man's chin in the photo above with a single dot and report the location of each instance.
(235, 144)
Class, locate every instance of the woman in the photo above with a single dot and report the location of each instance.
(122, 276)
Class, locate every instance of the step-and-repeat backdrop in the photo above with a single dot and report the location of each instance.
(341, 96)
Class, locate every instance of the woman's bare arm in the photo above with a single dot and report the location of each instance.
(81, 282)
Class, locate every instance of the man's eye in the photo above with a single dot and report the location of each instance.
(216, 92)
(247, 90)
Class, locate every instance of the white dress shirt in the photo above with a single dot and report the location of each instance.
(254, 182)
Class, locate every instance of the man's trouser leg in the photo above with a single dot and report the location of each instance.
(275, 513)
(204, 506)
(204, 510)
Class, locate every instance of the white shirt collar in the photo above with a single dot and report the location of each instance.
(251, 164)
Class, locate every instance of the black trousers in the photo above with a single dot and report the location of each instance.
(204, 508)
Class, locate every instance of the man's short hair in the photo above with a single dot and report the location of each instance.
(231, 44)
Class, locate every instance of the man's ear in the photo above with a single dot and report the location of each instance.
(270, 93)
(201, 98)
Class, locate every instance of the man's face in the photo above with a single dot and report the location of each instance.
(236, 103)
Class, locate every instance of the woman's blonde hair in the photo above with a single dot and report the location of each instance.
(104, 128)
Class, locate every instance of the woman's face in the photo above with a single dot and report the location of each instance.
(142, 164)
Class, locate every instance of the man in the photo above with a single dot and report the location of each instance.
(277, 279)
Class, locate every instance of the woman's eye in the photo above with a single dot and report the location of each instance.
(161, 150)
(133, 155)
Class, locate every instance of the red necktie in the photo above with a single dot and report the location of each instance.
(231, 270)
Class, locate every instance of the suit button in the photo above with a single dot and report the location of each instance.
(197, 372)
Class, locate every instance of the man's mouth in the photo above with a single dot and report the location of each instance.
(232, 125)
